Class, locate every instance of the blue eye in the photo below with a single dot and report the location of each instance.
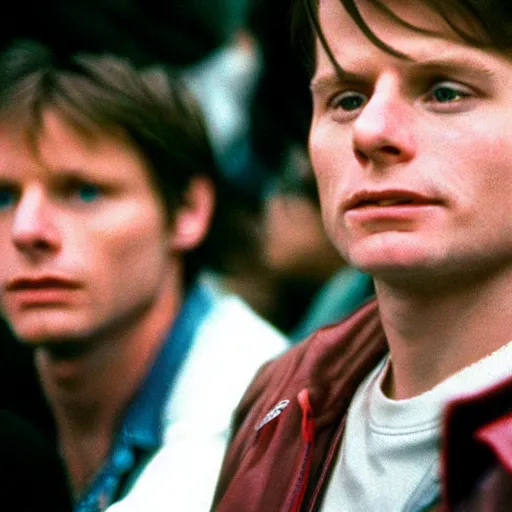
(7, 198)
(443, 94)
(349, 101)
(447, 93)
(88, 193)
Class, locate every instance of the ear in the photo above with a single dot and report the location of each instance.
(192, 220)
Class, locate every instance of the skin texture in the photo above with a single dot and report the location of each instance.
(83, 208)
(436, 130)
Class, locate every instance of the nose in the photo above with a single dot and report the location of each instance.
(383, 133)
(33, 230)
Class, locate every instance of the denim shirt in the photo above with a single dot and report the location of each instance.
(141, 432)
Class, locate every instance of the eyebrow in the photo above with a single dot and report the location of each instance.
(332, 80)
(74, 176)
(454, 63)
(459, 64)
(71, 172)
(7, 182)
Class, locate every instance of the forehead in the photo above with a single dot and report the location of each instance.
(56, 144)
(413, 29)
(388, 16)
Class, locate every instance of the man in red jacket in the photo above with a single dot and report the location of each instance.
(404, 406)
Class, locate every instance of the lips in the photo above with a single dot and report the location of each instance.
(40, 283)
(387, 198)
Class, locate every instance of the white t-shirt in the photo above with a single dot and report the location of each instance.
(390, 450)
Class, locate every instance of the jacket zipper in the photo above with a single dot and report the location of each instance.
(333, 450)
(307, 429)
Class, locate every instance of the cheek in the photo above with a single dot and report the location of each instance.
(477, 157)
(329, 185)
(331, 157)
(480, 183)
(138, 252)
(133, 251)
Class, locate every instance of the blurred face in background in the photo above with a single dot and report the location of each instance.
(295, 242)
(84, 237)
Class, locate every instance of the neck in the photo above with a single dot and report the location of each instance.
(435, 333)
(89, 392)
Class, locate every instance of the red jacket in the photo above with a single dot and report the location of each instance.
(290, 422)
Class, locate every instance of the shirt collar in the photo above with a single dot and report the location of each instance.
(143, 426)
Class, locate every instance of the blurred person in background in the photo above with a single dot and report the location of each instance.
(111, 204)
(318, 288)
(311, 284)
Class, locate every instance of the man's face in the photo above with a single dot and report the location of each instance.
(83, 235)
(413, 157)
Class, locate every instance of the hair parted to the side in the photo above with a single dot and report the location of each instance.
(480, 23)
(105, 93)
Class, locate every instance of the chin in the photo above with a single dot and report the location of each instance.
(43, 331)
(394, 257)
(40, 337)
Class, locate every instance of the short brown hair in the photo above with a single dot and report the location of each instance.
(106, 93)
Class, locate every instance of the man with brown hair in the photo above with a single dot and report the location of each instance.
(410, 144)
(109, 207)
